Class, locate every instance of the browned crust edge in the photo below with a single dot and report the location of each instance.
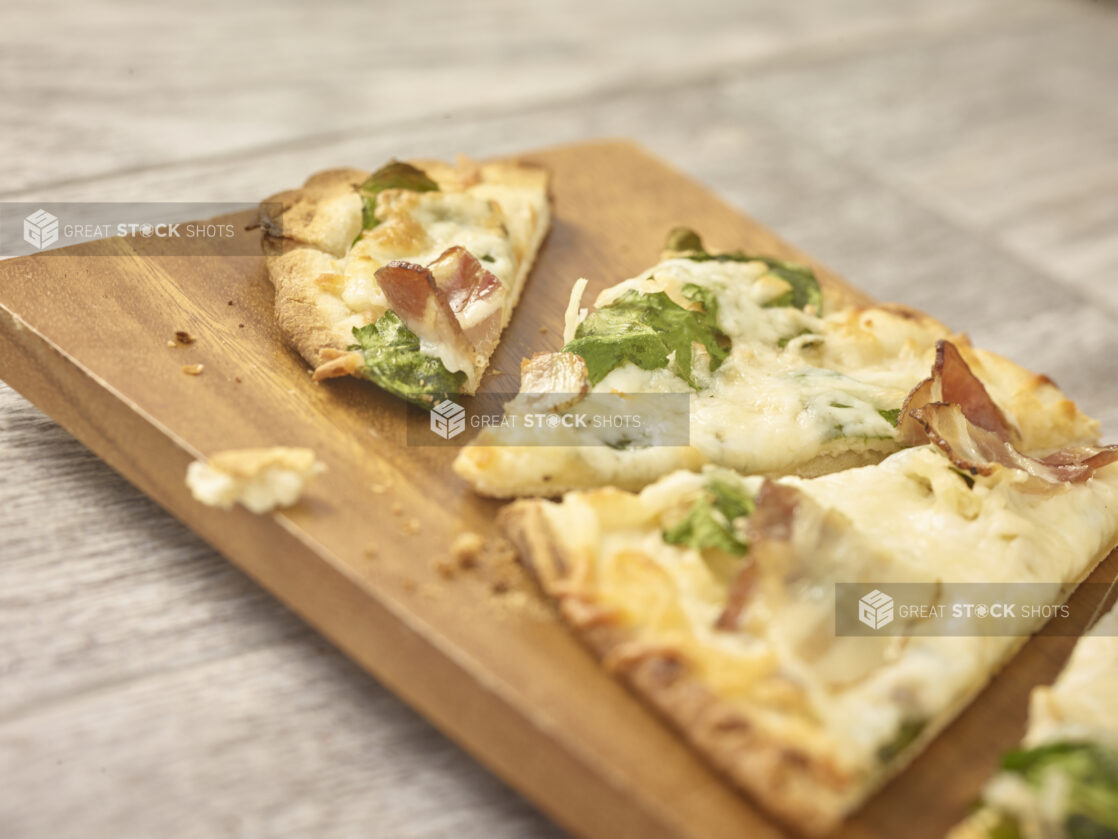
(800, 789)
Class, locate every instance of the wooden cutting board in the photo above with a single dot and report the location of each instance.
(365, 556)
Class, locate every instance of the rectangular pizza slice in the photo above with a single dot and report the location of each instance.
(783, 376)
(714, 594)
(405, 276)
(1062, 783)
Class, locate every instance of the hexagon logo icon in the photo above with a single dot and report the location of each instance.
(875, 610)
(40, 229)
(448, 419)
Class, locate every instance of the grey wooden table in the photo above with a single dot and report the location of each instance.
(961, 156)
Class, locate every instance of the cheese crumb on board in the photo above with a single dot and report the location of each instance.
(259, 479)
(193, 369)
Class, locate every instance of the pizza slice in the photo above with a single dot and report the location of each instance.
(784, 376)
(714, 594)
(406, 276)
(1063, 781)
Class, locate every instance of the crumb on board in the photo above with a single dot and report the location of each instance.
(370, 551)
(171, 344)
(380, 488)
(230, 303)
(237, 379)
(193, 369)
(412, 525)
(500, 587)
(184, 337)
(466, 549)
(543, 330)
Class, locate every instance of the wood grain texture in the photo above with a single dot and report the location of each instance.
(899, 142)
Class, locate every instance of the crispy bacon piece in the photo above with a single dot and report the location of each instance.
(462, 278)
(958, 384)
(953, 410)
(475, 296)
(953, 381)
(978, 451)
(416, 298)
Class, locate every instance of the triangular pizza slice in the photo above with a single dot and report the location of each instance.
(405, 276)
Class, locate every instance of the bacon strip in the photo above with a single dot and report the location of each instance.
(475, 296)
(978, 451)
(953, 381)
(463, 279)
(418, 301)
(453, 301)
(769, 528)
(953, 410)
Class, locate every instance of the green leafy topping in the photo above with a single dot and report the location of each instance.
(393, 361)
(487, 258)
(710, 522)
(393, 175)
(804, 289)
(652, 332)
(891, 416)
(1006, 827)
(1088, 772)
(905, 736)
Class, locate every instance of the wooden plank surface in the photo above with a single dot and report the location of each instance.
(922, 149)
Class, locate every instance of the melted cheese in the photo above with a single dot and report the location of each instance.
(909, 518)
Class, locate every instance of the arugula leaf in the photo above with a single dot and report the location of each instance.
(1088, 771)
(891, 416)
(393, 361)
(804, 286)
(710, 522)
(646, 329)
(393, 175)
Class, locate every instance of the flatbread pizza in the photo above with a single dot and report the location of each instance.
(405, 276)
